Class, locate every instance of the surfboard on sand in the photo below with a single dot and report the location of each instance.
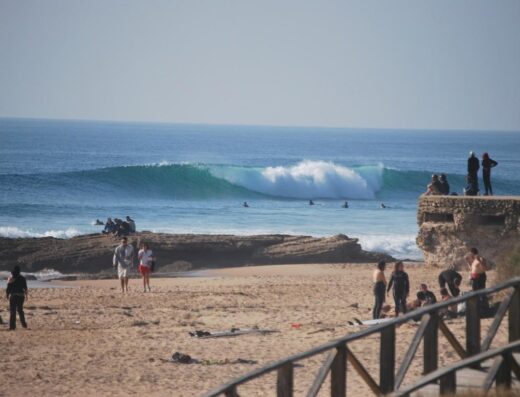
(232, 332)
(358, 322)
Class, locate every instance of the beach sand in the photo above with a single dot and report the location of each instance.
(93, 340)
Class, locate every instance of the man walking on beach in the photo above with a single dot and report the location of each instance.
(16, 293)
(123, 259)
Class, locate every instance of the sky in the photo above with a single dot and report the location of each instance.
(438, 64)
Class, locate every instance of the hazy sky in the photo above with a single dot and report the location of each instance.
(446, 64)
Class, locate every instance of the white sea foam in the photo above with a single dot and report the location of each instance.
(307, 179)
(399, 246)
(14, 232)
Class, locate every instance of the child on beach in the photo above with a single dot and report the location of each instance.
(146, 258)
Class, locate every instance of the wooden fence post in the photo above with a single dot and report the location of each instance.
(448, 383)
(472, 327)
(514, 316)
(231, 392)
(430, 343)
(387, 360)
(284, 382)
(503, 379)
(338, 373)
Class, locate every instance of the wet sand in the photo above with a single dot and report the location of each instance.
(93, 340)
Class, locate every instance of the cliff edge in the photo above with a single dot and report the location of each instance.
(450, 225)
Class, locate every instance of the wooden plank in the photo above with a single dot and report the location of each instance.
(472, 327)
(451, 339)
(448, 383)
(515, 367)
(514, 316)
(486, 343)
(387, 360)
(410, 353)
(431, 345)
(492, 373)
(322, 375)
(338, 373)
(284, 382)
(352, 359)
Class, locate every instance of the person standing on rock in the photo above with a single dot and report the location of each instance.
(146, 258)
(17, 293)
(487, 164)
(473, 167)
(123, 260)
(401, 285)
(379, 288)
(477, 267)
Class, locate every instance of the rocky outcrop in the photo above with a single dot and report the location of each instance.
(93, 253)
(450, 225)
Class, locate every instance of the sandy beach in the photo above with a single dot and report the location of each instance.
(93, 340)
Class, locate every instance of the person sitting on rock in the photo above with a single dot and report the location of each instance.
(434, 187)
(131, 224)
(444, 185)
(110, 227)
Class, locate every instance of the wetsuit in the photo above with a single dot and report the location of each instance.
(16, 289)
(453, 279)
(444, 187)
(379, 293)
(487, 164)
(401, 285)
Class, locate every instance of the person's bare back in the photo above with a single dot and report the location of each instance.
(378, 275)
(476, 263)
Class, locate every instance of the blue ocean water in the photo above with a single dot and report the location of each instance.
(57, 177)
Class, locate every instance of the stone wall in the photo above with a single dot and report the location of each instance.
(450, 225)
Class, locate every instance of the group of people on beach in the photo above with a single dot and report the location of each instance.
(439, 184)
(118, 227)
(123, 261)
(449, 283)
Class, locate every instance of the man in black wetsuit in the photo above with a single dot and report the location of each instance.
(473, 167)
(16, 293)
(401, 285)
(452, 278)
(444, 186)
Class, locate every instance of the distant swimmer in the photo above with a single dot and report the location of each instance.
(98, 222)
(383, 205)
(345, 205)
(311, 202)
(245, 205)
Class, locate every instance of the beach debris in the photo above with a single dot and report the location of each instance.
(139, 323)
(201, 334)
(321, 330)
(296, 325)
(354, 305)
(182, 358)
(128, 314)
(228, 361)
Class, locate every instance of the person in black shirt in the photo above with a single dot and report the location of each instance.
(473, 165)
(487, 164)
(452, 278)
(444, 186)
(399, 281)
(425, 296)
(16, 293)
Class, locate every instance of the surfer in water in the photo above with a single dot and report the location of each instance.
(345, 205)
(245, 205)
(311, 202)
(383, 205)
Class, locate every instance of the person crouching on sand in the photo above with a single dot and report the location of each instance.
(146, 258)
(401, 285)
(123, 260)
(379, 289)
(16, 293)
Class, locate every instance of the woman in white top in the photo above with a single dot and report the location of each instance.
(146, 258)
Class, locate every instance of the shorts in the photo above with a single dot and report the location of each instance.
(144, 270)
(122, 272)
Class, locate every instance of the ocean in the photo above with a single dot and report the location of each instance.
(58, 177)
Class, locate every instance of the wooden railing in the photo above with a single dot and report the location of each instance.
(390, 380)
